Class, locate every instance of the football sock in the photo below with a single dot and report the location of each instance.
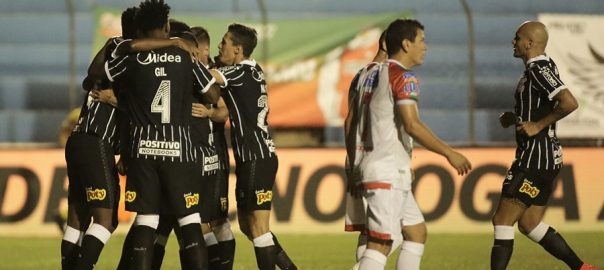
(282, 260)
(502, 247)
(126, 258)
(410, 256)
(226, 245)
(69, 248)
(143, 238)
(193, 246)
(159, 250)
(265, 249)
(213, 250)
(553, 243)
(361, 246)
(95, 239)
(372, 260)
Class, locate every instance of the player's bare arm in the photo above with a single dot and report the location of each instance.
(566, 105)
(104, 95)
(422, 134)
(217, 114)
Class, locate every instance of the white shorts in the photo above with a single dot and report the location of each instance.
(376, 208)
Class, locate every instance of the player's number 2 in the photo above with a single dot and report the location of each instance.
(161, 101)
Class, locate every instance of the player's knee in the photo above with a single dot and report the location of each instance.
(526, 226)
(416, 233)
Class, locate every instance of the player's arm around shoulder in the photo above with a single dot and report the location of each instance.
(422, 134)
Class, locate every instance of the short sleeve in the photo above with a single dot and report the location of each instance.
(116, 67)
(545, 78)
(203, 78)
(404, 86)
(232, 75)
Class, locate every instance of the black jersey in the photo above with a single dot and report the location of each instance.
(159, 86)
(203, 139)
(247, 100)
(534, 100)
(220, 142)
(99, 118)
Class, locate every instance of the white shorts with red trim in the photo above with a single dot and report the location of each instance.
(357, 208)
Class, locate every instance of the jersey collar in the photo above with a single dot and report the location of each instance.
(537, 58)
(250, 62)
(398, 63)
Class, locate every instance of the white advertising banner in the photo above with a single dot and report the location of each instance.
(576, 43)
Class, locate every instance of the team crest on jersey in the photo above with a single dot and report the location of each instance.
(191, 199)
(95, 194)
(411, 84)
(257, 75)
(528, 188)
(224, 203)
(130, 196)
(262, 196)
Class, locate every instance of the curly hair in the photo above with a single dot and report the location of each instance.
(152, 14)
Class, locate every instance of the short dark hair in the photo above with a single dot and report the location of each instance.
(177, 26)
(244, 36)
(186, 35)
(152, 14)
(400, 30)
(128, 23)
(201, 34)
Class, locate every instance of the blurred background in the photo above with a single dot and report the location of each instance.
(310, 50)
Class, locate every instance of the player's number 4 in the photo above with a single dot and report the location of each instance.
(161, 101)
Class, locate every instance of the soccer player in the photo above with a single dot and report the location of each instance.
(93, 181)
(414, 229)
(221, 241)
(541, 100)
(385, 121)
(163, 169)
(256, 161)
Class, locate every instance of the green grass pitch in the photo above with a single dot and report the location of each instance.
(327, 251)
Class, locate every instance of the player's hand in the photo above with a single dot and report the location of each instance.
(459, 162)
(507, 119)
(201, 111)
(529, 128)
(104, 95)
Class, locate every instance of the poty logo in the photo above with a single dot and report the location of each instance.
(191, 199)
(263, 197)
(159, 58)
(97, 194)
(130, 196)
(527, 188)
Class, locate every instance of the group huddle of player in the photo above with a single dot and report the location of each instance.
(156, 98)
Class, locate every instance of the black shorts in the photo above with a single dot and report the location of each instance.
(532, 187)
(255, 180)
(214, 199)
(92, 173)
(155, 187)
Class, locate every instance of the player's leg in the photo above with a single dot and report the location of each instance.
(125, 262)
(511, 206)
(102, 195)
(532, 226)
(212, 245)
(415, 234)
(383, 223)
(226, 242)
(78, 216)
(179, 179)
(209, 210)
(166, 224)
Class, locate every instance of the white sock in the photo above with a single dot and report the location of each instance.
(72, 235)
(538, 232)
(410, 256)
(372, 260)
(361, 246)
(223, 232)
(504, 232)
(210, 239)
(264, 240)
(99, 232)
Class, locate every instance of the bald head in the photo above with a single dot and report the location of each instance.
(536, 32)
